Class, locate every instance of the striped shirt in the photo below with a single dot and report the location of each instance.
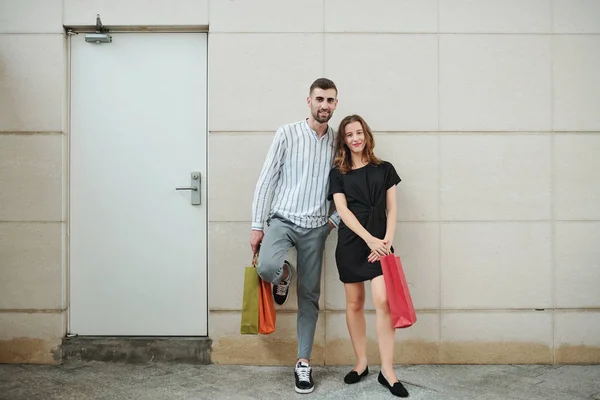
(296, 173)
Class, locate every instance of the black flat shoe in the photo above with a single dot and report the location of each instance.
(397, 389)
(354, 377)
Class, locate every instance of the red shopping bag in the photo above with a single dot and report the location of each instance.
(402, 311)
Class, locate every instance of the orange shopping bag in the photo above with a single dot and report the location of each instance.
(266, 309)
(402, 311)
(266, 305)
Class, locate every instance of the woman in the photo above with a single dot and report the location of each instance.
(363, 188)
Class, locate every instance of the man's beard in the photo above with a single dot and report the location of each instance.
(320, 119)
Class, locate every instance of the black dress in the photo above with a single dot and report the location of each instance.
(365, 189)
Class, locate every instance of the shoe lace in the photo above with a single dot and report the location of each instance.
(303, 373)
(282, 288)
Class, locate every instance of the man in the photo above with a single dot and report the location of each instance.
(296, 174)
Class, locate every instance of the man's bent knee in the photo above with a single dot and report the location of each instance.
(269, 271)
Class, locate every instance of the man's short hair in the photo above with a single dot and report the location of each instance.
(322, 83)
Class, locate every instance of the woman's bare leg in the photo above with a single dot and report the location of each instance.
(355, 319)
(385, 330)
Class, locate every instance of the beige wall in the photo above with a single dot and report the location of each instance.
(32, 216)
(489, 110)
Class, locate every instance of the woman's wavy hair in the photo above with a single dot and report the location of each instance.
(343, 158)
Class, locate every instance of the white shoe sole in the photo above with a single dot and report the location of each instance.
(304, 391)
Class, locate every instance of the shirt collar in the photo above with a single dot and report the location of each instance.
(327, 132)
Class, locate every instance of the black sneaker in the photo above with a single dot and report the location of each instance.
(304, 380)
(281, 291)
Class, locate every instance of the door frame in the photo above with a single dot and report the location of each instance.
(77, 30)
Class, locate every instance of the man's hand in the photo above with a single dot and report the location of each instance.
(331, 225)
(256, 238)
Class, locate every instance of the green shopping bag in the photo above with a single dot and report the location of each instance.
(249, 323)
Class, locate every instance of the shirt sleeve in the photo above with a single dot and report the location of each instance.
(391, 176)
(336, 184)
(335, 219)
(268, 180)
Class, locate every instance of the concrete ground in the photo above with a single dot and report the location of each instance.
(156, 381)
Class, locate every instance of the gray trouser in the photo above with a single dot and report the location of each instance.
(309, 243)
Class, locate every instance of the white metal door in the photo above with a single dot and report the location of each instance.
(137, 246)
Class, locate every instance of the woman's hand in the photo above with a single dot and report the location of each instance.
(378, 246)
(374, 256)
(388, 242)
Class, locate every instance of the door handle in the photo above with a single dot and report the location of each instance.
(194, 187)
